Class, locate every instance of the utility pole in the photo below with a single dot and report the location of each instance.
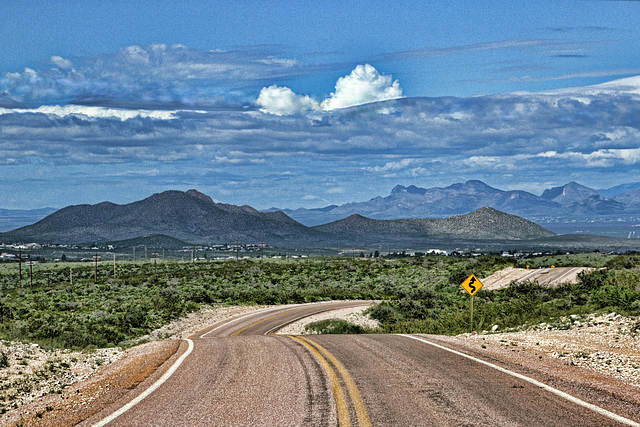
(95, 270)
(71, 276)
(134, 256)
(114, 265)
(30, 272)
(155, 262)
(20, 265)
(145, 254)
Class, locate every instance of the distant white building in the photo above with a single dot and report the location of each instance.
(437, 252)
(29, 246)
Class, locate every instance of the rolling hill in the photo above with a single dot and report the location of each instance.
(482, 224)
(188, 216)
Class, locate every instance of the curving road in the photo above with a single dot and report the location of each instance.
(551, 277)
(236, 374)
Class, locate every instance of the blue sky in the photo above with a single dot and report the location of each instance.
(305, 103)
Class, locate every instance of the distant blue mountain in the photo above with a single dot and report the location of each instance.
(571, 201)
(630, 197)
(569, 193)
(620, 189)
(10, 219)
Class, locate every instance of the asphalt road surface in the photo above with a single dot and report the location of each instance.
(551, 277)
(239, 374)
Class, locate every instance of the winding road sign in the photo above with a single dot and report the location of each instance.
(472, 285)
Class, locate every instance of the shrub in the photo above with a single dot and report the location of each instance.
(334, 326)
(623, 262)
(4, 360)
(612, 296)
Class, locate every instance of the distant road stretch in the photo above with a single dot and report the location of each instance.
(544, 276)
(234, 375)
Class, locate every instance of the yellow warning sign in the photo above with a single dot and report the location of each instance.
(472, 285)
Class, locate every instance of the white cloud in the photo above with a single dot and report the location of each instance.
(598, 158)
(548, 154)
(94, 112)
(138, 54)
(480, 162)
(393, 166)
(364, 85)
(30, 73)
(283, 101)
(61, 62)
(335, 190)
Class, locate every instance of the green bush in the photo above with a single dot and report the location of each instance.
(624, 262)
(614, 297)
(419, 295)
(333, 326)
(4, 360)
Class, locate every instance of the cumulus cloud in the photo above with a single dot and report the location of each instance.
(282, 100)
(61, 62)
(362, 86)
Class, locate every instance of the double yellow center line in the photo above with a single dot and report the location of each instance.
(344, 418)
(239, 331)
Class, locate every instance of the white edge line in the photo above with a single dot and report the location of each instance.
(148, 391)
(544, 386)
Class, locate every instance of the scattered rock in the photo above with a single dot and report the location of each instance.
(602, 343)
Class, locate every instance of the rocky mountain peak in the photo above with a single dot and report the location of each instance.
(412, 189)
(569, 193)
(199, 195)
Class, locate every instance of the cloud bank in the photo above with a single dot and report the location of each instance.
(158, 74)
(362, 86)
(220, 122)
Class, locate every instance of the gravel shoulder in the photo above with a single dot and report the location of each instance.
(607, 344)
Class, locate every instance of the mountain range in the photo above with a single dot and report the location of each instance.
(571, 202)
(194, 217)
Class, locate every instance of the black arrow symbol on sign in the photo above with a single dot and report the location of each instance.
(471, 282)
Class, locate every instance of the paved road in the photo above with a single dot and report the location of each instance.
(544, 276)
(234, 375)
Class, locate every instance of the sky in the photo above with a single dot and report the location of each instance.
(308, 103)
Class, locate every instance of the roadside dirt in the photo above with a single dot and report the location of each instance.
(77, 385)
(106, 385)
